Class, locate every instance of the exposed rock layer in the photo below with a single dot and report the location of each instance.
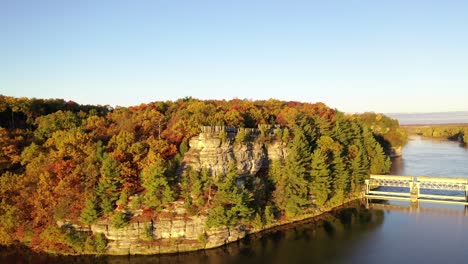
(177, 231)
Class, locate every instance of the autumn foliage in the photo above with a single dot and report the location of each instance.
(61, 161)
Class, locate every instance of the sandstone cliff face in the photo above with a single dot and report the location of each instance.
(396, 152)
(177, 231)
(209, 151)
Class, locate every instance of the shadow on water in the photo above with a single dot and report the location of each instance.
(274, 246)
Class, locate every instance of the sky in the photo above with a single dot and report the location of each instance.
(383, 56)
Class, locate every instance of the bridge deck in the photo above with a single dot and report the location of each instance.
(414, 185)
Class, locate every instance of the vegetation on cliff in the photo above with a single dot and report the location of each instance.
(61, 160)
(386, 130)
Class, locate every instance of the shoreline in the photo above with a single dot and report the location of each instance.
(174, 249)
(253, 232)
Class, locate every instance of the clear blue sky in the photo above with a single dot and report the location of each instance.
(385, 56)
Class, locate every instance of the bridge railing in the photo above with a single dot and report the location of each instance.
(415, 184)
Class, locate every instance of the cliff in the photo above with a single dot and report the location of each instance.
(396, 152)
(174, 230)
(208, 150)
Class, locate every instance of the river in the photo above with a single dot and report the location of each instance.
(388, 232)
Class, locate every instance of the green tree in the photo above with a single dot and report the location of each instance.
(100, 243)
(120, 220)
(109, 184)
(158, 192)
(241, 135)
(269, 215)
(231, 202)
(357, 168)
(89, 214)
(291, 192)
(340, 178)
(321, 183)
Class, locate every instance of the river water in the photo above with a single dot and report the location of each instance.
(382, 232)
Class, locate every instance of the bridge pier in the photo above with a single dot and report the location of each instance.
(466, 193)
(415, 192)
(367, 187)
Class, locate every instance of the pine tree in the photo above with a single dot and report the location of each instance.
(340, 176)
(309, 129)
(377, 158)
(358, 170)
(291, 193)
(109, 184)
(100, 243)
(231, 202)
(298, 158)
(342, 131)
(192, 186)
(158, 192)
(89, 213)
(207, 184)
(241, 135)
(269, 215)
(321, 183)
(323, 124)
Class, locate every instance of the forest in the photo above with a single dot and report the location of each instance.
(450, 132)
(62, 160)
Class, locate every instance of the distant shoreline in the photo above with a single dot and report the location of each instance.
(430, 119)
(434, 124)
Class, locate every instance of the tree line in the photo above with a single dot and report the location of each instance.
(65, 161)
(450, 132)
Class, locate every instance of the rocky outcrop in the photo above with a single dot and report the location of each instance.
(396, 152)
(208, 150)
(176, 232)
(173, 230)
(276, 151)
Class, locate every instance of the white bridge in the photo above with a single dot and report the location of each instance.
(414, 185)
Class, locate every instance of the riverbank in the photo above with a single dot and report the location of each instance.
(212, 238)
(453, 132)
(175, 246)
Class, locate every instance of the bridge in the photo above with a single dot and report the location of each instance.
(408, 188)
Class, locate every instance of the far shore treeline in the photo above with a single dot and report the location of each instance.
(455, 132)
(62, 160)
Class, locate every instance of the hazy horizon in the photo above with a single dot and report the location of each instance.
(458, 117)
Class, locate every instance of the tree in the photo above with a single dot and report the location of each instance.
(120, 220)
(231, 202)
(357, 167)
(241, 136)
(89, 214)
(340, 176)
(100, 243)
(192, 187)
(8, 220)
(379, 162)
(158, 193)
(109, 184)
(291, 193)
(321, 183)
